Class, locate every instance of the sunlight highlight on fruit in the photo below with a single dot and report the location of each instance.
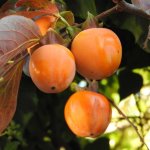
(45, 22)
(52, 68)
(97, 53)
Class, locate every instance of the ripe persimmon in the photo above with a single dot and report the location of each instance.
(87, 113)
(52, 68)
(45, 22)
(97, 52)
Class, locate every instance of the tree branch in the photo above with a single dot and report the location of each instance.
(130, 8)
(123, 6)
(107, 12)
(134, 127)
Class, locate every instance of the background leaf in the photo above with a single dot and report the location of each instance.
(138, 26)
(83, 6)
(12, 146)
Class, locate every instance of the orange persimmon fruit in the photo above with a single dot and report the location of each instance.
(52, 68)
(87, 113)
(97, 52)
(45, 22)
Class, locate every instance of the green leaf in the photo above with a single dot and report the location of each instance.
(68, 16)
(81, 7)
(90, 22)
(138, 26)
(11, 146)
(73, 31)
(132, 22)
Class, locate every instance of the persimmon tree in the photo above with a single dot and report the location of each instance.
(63, 63)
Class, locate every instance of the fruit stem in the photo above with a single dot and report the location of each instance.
(93, 85)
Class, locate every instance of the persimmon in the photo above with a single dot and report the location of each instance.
(97, 52)
(45, 22)
(52, 68)
(87, 113)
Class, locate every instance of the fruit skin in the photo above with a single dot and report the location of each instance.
(45, 22)
(97, 53)
(52, 68)
(87, 113)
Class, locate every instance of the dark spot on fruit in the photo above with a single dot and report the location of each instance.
(53, 88)
(91, 134)
(92, 72)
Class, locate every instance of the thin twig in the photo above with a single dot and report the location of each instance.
(130, 8)
(131, 117)
(135, 128)
(107, 12)
(123, 6)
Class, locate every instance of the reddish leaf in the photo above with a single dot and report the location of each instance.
(52, 37)
(16, 34)
(44, 15)
(32, 14)
(8, 95)
(50, 9)
(33, 3)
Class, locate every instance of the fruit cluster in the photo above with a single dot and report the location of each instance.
(95, 54)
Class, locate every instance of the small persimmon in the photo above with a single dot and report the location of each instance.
(52, 68)
(45, 22)
(87, 113)
(97, 52)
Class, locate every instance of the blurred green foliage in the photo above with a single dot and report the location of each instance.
(39, 122)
